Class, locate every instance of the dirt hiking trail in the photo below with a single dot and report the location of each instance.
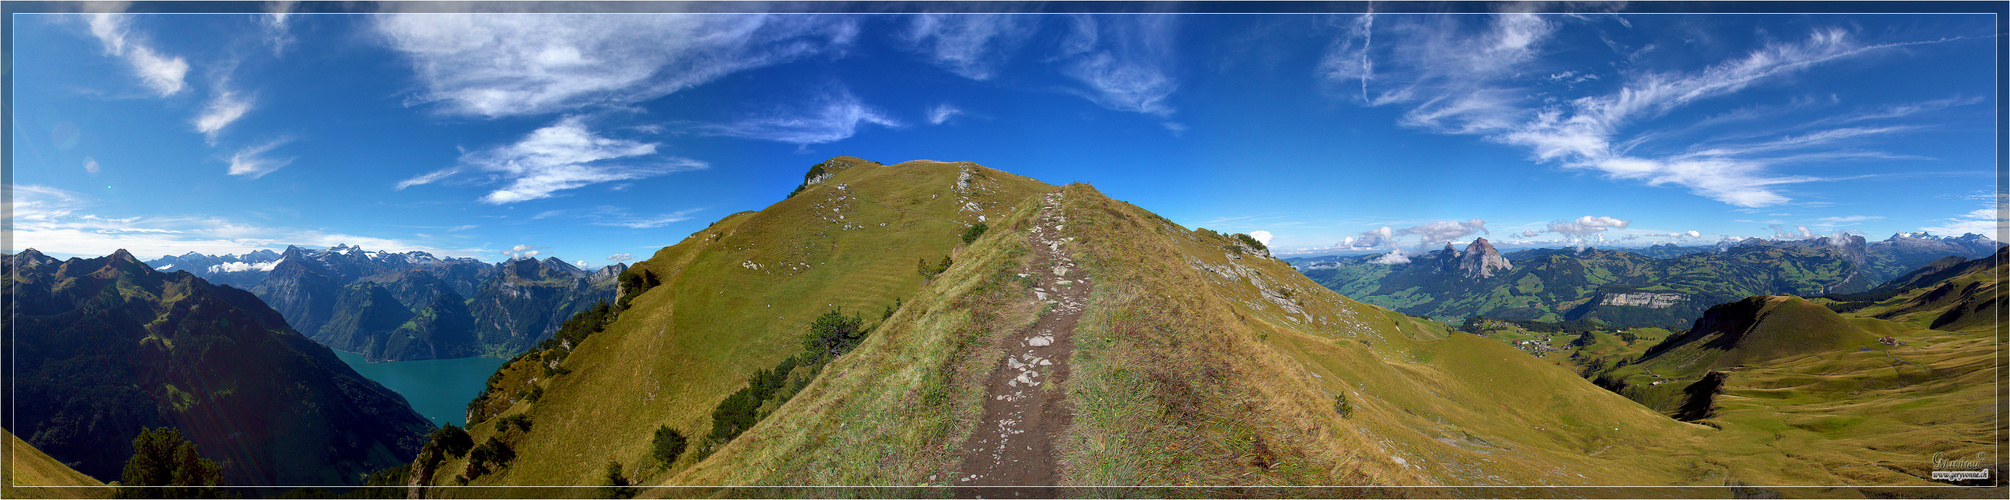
(1011, 454)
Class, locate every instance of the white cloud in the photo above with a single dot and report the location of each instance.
(1781, 232)
(277, 34)
(252, 161)
(1444, 231)
(165, 75)
(521, 64)
(1261, 237)
(223, 108)
(608, 216)
(1124, 62)
(1459, 82)
(1586, 226)
(834, 116)
(619, 257)
(973, 46)
(1845, 220)
(941, 113)
(521, 252)
(1987, 221)
(55, 221)
(1378, 238)
(564, 155)
(238, 267)
(1394, 257)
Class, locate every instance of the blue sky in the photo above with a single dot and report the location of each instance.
(601, 138)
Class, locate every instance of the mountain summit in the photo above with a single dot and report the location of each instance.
(1480, 260)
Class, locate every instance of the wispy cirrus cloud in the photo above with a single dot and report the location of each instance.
(254, 163)
(974, 46)
(1455, 79)
(278, 33)
(224, 108)
(565, 155)
(941, 113)
(832, 116)
(525, 64)
(1123, 63)
(164, 75)
(612, 216)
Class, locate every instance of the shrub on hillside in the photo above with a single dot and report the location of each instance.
(490, 456)
(930, 270)
(970, 235)
(1251, 241)
(833, 334)
(890, 309)
(1584, 339)
(520, 421)
(452, 440)
(668, 445)
(1341, 406)
(616, 485)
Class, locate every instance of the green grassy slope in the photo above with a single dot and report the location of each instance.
(1210, 365)
(1809, 396)
(26, 472)
(734, 298)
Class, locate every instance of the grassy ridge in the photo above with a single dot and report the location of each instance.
(734, 298)
(23, 465)
(1236, 386)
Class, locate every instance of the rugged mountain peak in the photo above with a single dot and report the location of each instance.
(1481, 260)
(608, 273)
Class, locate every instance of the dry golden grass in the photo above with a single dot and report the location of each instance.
(26, 472)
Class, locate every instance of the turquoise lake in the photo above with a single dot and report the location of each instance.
(438, 388)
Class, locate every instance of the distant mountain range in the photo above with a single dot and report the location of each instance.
(1662, 285)
(102, 347)
(412, 305)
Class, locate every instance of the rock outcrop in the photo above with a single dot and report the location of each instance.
(1480, 260)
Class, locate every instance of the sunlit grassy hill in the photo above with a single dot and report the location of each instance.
(730, 300)
(1870, 398)
(26, 472)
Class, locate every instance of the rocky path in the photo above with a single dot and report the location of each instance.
(1011, 454)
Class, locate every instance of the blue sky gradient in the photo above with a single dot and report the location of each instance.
(601, 138)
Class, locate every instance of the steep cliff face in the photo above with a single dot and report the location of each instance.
(364, 312)
(528, 299)
(301, 289)
(1652, 300)
(1480, 260)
